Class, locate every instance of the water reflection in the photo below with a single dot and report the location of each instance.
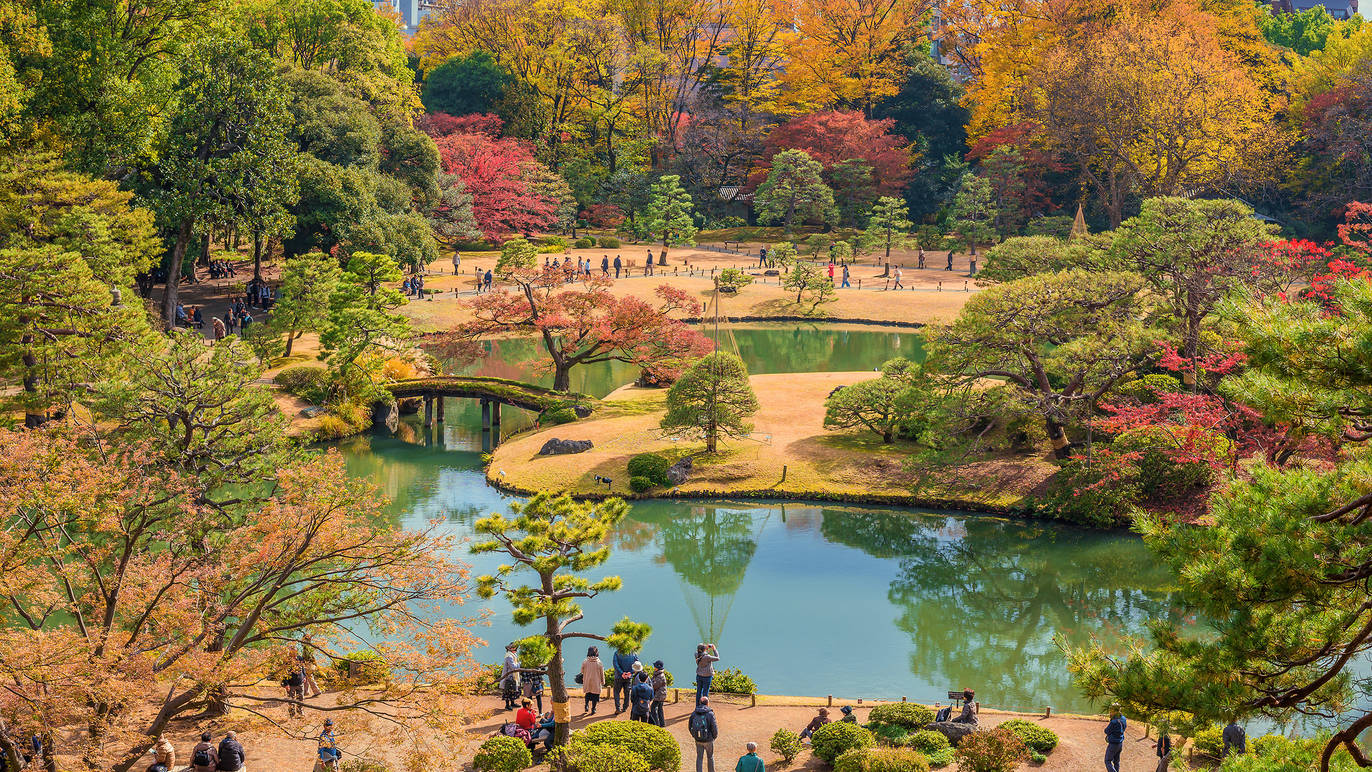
(710, 549)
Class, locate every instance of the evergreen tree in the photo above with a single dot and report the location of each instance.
(711, 399)
(887, 224)
(794, 188)
(973, 212)
(669, 214)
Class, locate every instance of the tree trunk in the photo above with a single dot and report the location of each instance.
(290, 341)
(257, 258)
(1058, 436)
(183, 239)
(562, 376)
(886, 436)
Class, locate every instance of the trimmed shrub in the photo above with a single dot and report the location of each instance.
(881, 760)
(1037, 738)
(1160, 473)
(366, 765)
(1209, 742)
(786, 744)
(833, 740)
(732, 681)
(1101, 496)
(590, 757)
(303, 381)
(583, 243)
(928, 741)
(608, 242)
(907, 714)
(503, 754)
(653, 743)
(942, 757)
(640, 484)
(651, 466)
(1147, 388)
(370, 668)
(1036, 757)
(890, 734)
(993, 751)
(558, 416)
(849, 761)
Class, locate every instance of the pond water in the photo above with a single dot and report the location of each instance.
(813, 599)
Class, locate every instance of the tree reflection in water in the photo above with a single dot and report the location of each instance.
(710, 548)
(982, 598)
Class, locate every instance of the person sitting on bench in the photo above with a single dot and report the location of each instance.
(966, 716)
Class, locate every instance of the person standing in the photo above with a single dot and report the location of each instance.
(648, 266)
(592, 679)
(509, 676)
(1234, 739)
(230, 757)
(457, 262)
(1114, 738)
(1163, 748)
(706, 657)
(831, 270)
(845, 277)
(204, 757)
(531, 682)
(218, 325)
(641, 698)
(750, 761)
(655, 714)
(762, 257)
(920, 264)
(618, 264)
(898, 275)
(624, 670)
(704, 730)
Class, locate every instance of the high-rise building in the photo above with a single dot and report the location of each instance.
(410, 12)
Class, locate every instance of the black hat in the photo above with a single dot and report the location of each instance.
(846, 709)
(657, 665)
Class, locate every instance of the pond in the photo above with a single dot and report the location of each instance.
(815, 599)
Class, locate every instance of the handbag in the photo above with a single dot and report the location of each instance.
(581, 679)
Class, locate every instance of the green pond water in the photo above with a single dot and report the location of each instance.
(811, 599)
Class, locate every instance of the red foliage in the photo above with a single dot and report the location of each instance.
(1356, 230)
(494, 170)
(440, 124)
(1029, 192)
(837, 136)
(603, 215)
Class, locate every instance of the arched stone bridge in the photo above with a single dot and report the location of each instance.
(492, 392)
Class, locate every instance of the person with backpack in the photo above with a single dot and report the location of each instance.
(750, 761)
(295, 689)
(706, 657)
(641, 698)
(204, 757)
(1235, 739)
(328, 745)
(704, 730)
(655, 714)
(624, 669)
(1114, 738)
(592, 679)
(490, 279)
(967, 716)
(231, 756)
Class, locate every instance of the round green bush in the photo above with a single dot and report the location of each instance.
(832, 740)
(302, 380)
(907, 714)
(608, 242)
(638, 483)
(732, 681)
(881, 760)
(558, 416)
(1209, 742)
(1038, 738)
(928, 741)
(890, 734)
(590, 757)
(1147, 388)
(369, 668)
(653, 743)
(1036, 757)
(786, 744)
(993, 751)
(583, 243)
(503, 754)
(650, 465)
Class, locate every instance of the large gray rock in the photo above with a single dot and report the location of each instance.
(954, 732)
(678, 472)
(582, 411)
(385, 416)
(556, 447)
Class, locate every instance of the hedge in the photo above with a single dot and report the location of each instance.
(503, 754)
(833, 740)
(653, 743)
(907, 714)
(1038, 738)
(589, 757)
(882, 760)
(928, 741)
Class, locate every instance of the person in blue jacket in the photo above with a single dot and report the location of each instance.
(624, 671)
(640, 698)
(1114, 738)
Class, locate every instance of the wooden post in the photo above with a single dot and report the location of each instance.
(754, 700)
(902, 699)
(1048, 711)
(485, 425)
(495, 424)
(428, 411)
(831, 700)
(441, 401)
(676, 696)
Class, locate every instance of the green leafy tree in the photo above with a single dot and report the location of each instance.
(784, 253)
(225, 150)
(669, 214)
(974, 212)
(465, 84)
(556, 539)
(879, 405)
(1060, 340)
(888, 225)
(1021, 256)
(711, 399)
(808, 279)
(307, 283)
(732, 279)
(794, 188)
(360, 312)
(929, 112)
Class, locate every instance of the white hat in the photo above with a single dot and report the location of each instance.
(638, 666)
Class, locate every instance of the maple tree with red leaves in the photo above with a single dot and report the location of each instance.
(1017, 166)
(836, 136)
(496, 171)
(584, 326)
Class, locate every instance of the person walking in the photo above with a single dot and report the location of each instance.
(845, 277)
(204, 756)
(831, 270)
(648, 266)
(949, 267)
(1234, 739)
(1114, 738)
(218, 325)
(531, 683)
(618, 265)
(624, 670)
(750, 761)
(230, 757)
(641, 698)
(328, 745)
(457, 262)
(704, 729)
(920, 264)
(295, 689)
(592, 679)
(1163, 747)
(655, 714)
(762, 257)
(605, 265)
(706, 657)
(898, 275)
